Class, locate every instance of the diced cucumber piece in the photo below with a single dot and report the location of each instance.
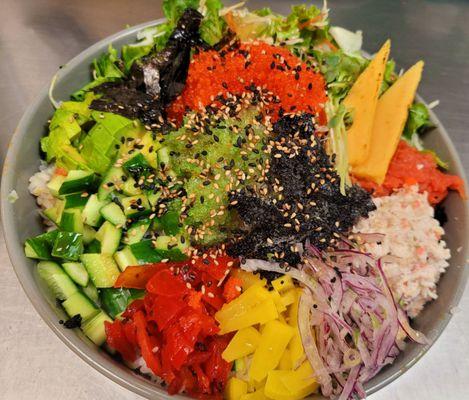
(55, 183)
(78, 181)
(113, 176)
(170, 222)
(114, 301)
(130, 187)
(40, 247)
(114, 214)
(88, 234)
(153, 198)
(163, 156)
(171, 243)
(93, 247)
(146, 253)
(92, 293)
(78, 303)
(136, 232)
(101, 268)
(91, 214)
(72, 220)
(110, 237)
(135, 205)
(125, 258)
(77, 272)
(59, 283)
(137, 165)
(94, 328)
(55, 213)
(75, 200)
(68, 246)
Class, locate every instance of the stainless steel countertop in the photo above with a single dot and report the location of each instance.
(36, 36)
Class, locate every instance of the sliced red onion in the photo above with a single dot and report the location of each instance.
(309, 343)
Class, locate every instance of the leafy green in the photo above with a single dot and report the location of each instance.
(212, 26)
(340, 71)
(106, 65)
(173, 9)
(417, 121)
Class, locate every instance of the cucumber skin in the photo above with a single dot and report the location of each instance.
(102, 269)
(77, 272)
(56, 279)
(68, 246)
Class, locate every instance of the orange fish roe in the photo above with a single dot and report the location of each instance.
(409, 167)
(230, 70)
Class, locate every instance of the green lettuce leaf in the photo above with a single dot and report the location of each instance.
(173, 9)
(212, 26)
(417, 121)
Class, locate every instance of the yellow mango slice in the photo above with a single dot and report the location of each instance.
(291, 385)
(278, 301)
(257, 395)
(362, 101)
(254, 306)
(293, 310)
(283, 283)
(273, 342)
(243, 343)
(390, 118)
(235, 388)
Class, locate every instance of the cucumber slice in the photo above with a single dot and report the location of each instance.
(114, 301)
(92, 293)
(77, 272)
(40, 247)
(93, 247)
(72, 220)
(113, 176)
(170, 222)
(146, 253)
(153, 198)
(54, 184)
(68, 246)
(101, 268)
(114, 214)
(163, 156)
(125, 258)
(135, 205)
(137, 165)
(78, 181)
(130, 187)
(75, 200)
(55, 213)
(94, 328)
(88, 234)
(91, 214)
(110, 237)
(136, 232)
(78, 303)
(59, 283)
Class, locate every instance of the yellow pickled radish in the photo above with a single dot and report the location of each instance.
(243, 343)
(273, 342)
(235, 388)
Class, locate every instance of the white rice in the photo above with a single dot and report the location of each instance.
(38, 186)
(413, 239)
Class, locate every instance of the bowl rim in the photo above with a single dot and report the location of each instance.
(105, 365)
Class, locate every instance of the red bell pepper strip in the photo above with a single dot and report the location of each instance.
(231, 288)
(165, 283)
(117, 340)
(137, 276)
(146, 344)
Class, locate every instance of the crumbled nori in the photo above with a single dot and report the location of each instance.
(307, 178)
(73, 322)
(156, 80)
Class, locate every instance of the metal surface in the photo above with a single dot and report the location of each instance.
(36, 37)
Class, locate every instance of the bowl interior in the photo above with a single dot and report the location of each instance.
(21, 220)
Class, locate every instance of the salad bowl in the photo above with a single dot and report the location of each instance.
(21, 220)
